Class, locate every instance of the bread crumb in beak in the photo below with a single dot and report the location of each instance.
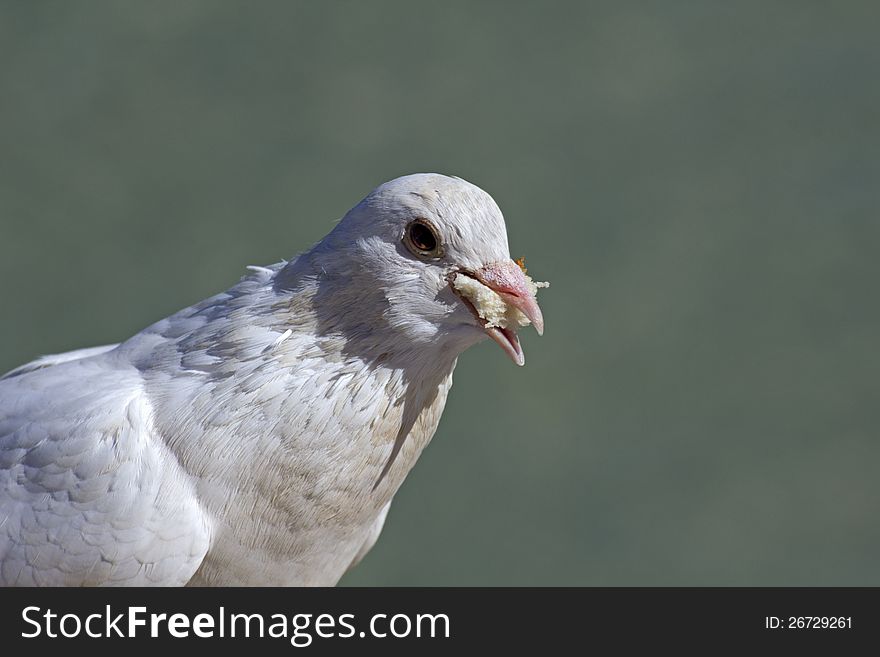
(490, 306)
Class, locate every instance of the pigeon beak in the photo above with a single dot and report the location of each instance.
(508, 340)
(509, 282)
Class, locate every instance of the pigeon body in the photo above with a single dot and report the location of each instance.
(257, 437)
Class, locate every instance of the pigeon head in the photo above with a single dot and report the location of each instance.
(394, 259)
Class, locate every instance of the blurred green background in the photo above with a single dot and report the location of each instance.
(699, 181)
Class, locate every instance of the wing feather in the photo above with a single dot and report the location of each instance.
(57, 359)
(89, 493)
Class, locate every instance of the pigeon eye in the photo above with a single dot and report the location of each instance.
(422, 239)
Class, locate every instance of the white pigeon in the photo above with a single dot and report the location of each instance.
(257, 437)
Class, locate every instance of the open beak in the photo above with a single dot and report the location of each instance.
(509, 282)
